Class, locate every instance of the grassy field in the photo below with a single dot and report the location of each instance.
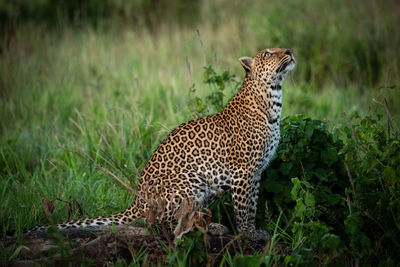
(76, 98)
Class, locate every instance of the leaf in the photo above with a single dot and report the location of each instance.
(330, 241)
(393, 86)
(48, 206)
(333, 199)
(300, 208)
(274, 186)
(321, 174)
(329, 156)
(295, 189)
(286, 168)
(353, 223)
(18, 251)
(74, 208)
(247, 260)
(309, 132)
(390, 175)
(309, 199)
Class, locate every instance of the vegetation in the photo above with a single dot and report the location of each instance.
(82, 89)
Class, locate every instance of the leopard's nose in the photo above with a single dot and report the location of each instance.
(288, 52)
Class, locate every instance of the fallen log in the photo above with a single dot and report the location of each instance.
(102, 245)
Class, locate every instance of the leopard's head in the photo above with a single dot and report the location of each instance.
(269, 65)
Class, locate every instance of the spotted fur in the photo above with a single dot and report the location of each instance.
(225, 151)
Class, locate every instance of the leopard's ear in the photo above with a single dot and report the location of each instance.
(247, 63)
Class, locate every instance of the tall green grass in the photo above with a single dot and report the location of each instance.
(75, 99)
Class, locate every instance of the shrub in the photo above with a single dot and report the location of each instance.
(305, 183)
(340, 199)
(372, 221)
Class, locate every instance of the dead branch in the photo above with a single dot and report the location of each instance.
(103, 246)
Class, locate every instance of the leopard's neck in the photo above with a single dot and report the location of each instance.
(257, 98)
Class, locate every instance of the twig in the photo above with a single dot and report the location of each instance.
(78, 153)
(119, 180)
(189, 71)
(350, 126)
(352, 133)
(230, 243)
(166, 235)
(388, 75)
(126, 186)
(350, 177)
(202, 48)
(107, 158)
(388, 117)
(347, 199)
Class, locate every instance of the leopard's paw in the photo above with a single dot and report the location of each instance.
(217, 229)
(255, 235)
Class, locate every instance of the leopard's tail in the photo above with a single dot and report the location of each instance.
(128, 216)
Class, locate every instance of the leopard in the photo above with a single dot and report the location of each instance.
(225, 151)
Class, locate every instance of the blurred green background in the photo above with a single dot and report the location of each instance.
(85, 84)
(347, 51)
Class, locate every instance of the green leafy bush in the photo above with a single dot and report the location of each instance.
(305, 182)
(340, 199)
(309, 151)
(372, 220)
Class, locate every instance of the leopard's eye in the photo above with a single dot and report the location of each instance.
(267, 54)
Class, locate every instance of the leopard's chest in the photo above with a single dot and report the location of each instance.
(269, 149)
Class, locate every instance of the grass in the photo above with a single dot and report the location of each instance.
(74, 99)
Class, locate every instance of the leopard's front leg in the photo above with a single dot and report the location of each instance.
(245, 195)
